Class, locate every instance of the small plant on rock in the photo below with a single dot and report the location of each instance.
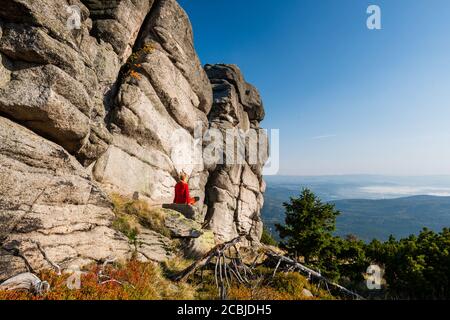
(133, 65)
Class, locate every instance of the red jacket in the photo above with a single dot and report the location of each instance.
(182, 194)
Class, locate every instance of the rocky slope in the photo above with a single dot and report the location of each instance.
(107, 105)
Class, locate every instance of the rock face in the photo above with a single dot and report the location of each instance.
(118, 22)
(102, 96)
(235, 188)
(54, 77)
(51, 211)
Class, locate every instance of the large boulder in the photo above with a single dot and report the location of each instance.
(249, 96)
(180, 226)
(49, 101)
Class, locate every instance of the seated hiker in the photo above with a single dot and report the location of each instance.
(182, 192)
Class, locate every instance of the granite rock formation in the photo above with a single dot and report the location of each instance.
(235, 188)
(101, 96)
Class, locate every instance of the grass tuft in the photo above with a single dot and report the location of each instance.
(132, 213)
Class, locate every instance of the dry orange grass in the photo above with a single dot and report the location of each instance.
(148, 281)
(139, 282)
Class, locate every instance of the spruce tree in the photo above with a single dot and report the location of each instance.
(309, 224)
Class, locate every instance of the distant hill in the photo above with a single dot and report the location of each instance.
(401, 217)
(369, 219)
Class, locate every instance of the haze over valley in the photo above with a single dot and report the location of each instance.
(371, 206)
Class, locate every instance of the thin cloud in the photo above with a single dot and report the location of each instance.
(326, 136)
(407, 191)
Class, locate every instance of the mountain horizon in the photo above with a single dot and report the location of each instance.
(371, 208)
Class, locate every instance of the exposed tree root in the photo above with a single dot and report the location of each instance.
(228, 264)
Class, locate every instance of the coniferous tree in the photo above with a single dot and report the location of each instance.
(309, 225)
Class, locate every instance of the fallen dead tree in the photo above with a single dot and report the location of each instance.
(26, 282)
(225, 266)
(296, 266)
(228, 264)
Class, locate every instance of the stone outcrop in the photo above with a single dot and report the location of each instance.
(118, 22)
(169, 96)
(56, 78)
(235, 188)
(51, 211)
(102, 96)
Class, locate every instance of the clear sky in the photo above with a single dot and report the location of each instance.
(347, 100)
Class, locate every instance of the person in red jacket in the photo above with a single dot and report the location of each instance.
(182, 192)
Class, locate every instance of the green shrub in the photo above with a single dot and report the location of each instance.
(292, 283)
(267, 238)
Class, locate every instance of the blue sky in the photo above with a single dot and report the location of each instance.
(347, 100)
